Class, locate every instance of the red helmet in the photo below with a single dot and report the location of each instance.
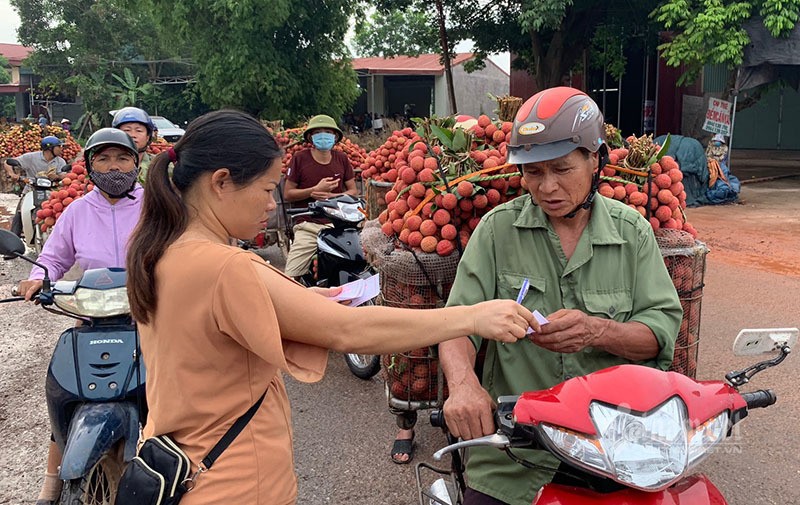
(553, 123)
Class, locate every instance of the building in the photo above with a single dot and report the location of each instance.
(22, 79)
(417, 86)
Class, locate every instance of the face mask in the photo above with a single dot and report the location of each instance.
(115, 183)
(323, 141)
(717, 144)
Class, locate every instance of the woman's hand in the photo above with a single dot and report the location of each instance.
(29, 288)
(329, 293)
(502, 320)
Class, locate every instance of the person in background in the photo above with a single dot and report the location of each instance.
(42, 121)
(593, 267)
(92, 232)
(47, 162)
(318, 173)
(220, 327)
(66, 124)
(138, 124)
(717, 149)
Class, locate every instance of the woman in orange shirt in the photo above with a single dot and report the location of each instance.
(218, 324)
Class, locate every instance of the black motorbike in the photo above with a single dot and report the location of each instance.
(340, 259)
(95, 385)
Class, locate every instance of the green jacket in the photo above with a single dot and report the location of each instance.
(616, 272)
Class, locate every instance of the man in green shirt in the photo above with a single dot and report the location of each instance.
(595, 272)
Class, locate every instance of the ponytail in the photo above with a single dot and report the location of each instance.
(224, 138)
(163, 220)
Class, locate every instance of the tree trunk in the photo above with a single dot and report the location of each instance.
(448, 70)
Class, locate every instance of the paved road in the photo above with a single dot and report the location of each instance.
(343, 429)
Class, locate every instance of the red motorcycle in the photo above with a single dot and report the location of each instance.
(626, 435)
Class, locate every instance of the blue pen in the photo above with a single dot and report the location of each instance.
(523, 291)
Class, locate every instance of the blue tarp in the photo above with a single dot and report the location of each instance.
(691, 157)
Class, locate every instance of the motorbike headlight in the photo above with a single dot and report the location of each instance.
(44, 182)
(94, 302)
(645, 451)
(706, 436)
(345, 212)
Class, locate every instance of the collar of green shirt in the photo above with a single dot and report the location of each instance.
(602, 230)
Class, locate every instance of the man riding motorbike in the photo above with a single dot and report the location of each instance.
(138, 125)
(92, 232)
(47, 161)
(318, 173)
(589, 263)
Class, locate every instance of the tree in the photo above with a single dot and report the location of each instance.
(711, 31)
(389, 33)
(547, 37)
(273, 58)
(7, 103)
(79, 45)
(401, 27)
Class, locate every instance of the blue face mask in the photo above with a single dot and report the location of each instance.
(323, 140)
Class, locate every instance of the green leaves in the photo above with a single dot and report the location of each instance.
(711, 31)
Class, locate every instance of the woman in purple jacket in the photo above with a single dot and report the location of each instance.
(92, 233)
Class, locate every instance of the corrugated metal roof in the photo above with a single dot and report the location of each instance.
(14, 53)
(424, 64)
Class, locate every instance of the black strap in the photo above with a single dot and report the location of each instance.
(232, 433)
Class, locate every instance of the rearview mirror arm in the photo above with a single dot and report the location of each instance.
(740, 378)
(46, 285)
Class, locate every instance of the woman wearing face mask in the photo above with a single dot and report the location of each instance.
(318, 173)
(92, 232)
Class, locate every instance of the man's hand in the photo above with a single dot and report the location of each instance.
(321, 195)
(468, 411)
(29, 288)
(568, 331)
(326, 185)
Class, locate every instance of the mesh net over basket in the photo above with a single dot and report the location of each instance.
(414, 377)
(685, 259)
(410, 280)
(376, 193)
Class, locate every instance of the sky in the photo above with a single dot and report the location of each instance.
(10, 22)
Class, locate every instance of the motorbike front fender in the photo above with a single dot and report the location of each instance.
(93, 431)
(693, 490)
(27, 210)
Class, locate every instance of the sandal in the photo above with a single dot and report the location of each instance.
(403, 447)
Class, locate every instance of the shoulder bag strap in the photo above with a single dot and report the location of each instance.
(232, 433)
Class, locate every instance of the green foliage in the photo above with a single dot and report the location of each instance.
(273, 58)
(80, 45)
(5, 75)
(388, 33)
(130, 90)
(710, 31)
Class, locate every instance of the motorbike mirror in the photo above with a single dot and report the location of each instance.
(12, 162)
(754, 342)
(10, 244)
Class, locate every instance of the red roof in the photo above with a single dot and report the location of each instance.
(424, 64)
(15, 53)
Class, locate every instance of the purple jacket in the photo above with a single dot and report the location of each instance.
(92, 233)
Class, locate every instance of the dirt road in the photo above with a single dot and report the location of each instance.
(343, 429)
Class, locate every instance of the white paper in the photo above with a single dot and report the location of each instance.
(360, 291)
(539, 318)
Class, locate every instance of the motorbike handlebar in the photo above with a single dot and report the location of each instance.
(760, 399)
(293, 212)
(437, 418)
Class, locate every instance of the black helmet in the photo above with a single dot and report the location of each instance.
(105, 137)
